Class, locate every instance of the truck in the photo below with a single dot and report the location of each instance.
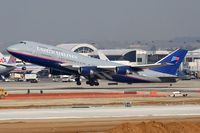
(16, 77)
(31, 78)
(178, 94)
(66, 78)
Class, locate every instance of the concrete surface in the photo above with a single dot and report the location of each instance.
(66, 113)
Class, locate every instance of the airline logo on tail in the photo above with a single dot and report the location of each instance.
(2, 60)
(12, 60)
(175, 59)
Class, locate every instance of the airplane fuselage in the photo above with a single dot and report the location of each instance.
(52, 57)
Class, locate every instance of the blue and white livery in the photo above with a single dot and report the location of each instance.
(61, 61)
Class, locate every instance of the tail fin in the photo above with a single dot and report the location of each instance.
(2, 58)
(174, 59)
(12, 60)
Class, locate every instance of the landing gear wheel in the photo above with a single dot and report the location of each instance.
(91, 84)
(78, 83)
(87, 82)
(96, 83)
(24, 68)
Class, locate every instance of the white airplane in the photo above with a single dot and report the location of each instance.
(62, 61)
(6, 65)
(27, 68)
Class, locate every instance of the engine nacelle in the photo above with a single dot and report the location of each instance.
(123, 70)
(86, 70)
(24, 68)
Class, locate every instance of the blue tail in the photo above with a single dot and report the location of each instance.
(174, 59)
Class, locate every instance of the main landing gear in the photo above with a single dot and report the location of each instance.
(24, 66)
(92, 82)
(78, 81)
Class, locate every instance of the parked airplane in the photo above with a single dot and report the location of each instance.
(27, 68)
(66, 62)
(6, 65)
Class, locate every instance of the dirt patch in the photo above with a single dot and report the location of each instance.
(105, 125)
(157, 127)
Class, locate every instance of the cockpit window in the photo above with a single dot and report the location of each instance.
(23, 42)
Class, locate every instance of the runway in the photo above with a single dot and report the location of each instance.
(70, 87)
(100, 112)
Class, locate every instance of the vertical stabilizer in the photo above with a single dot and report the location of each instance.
(12, 60)
(2, 58)
(174, 60)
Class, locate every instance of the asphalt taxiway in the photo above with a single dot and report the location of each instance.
(100, 112)
(53, 94)
(53, 87)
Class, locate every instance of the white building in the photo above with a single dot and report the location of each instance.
(193, 60)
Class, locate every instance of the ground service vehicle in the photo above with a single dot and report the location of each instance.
(178, 94)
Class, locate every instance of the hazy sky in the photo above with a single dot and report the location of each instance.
(56, 21)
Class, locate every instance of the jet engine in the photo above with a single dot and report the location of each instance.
(86, 71)
(123, 70)
(24, 68)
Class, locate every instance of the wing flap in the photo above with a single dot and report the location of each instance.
(113, 68)
(149, 66)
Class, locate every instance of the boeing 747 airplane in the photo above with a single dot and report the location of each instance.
(61, 61)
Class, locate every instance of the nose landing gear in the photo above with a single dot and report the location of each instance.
(24, 66)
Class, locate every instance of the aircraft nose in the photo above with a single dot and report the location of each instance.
(17, 47)
(12, 48)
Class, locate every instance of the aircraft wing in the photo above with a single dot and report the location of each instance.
(70, 66)
(149, 66)
(105, 72)
(134, 67)
(139, 67)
